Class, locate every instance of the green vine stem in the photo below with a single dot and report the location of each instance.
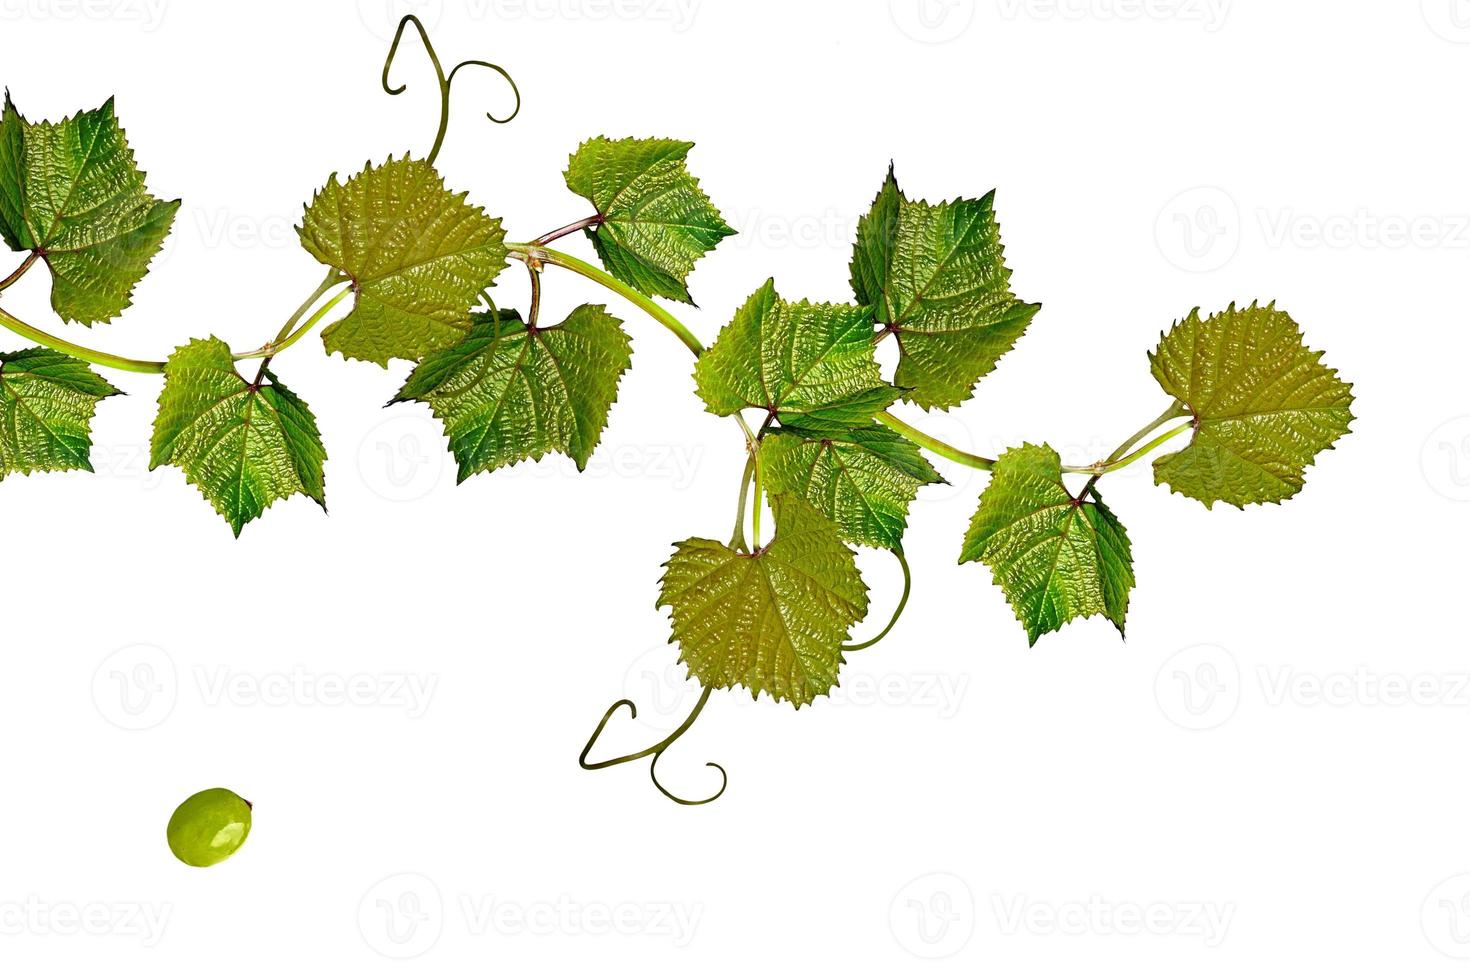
(100, 358)
(934, 445)
(284, 339)
(533, 254)
(1113, 463)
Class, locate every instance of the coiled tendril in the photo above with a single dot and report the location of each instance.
(656, 750)
(445, 81)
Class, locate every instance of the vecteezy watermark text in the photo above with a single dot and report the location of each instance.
(299, 687)
(34, 916)
(147, 14)
(1209, 14)
(1098, 916)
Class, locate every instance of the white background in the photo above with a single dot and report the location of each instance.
(1242, 787)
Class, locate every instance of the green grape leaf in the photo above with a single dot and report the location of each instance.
(47, 401)
(655, 221)
(244, 446)
(1055, 557)
(772, 621)
(935, 277)
(1264, 405)
(517, 393)
(795, 359)
(418, 257)
(863, 478)
(71, 193)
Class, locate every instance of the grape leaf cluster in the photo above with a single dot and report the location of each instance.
(419, 261)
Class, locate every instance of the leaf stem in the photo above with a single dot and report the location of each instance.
(1117, 460)
(284, 335)
(564, 230)
(1114, 462)
(1147, 448)
(755, 515)
(737, 540)
(276, 346)
(525, 251)
(1174, 411)
(534, 314)
(24, 267)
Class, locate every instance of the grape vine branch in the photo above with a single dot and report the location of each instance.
(825, 453)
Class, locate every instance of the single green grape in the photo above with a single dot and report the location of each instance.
(208, 827)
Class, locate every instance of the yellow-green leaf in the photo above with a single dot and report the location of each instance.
(418, 257)
(771, 621)
(1264, 405)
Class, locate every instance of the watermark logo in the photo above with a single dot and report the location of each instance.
(1445, 459)
(1199, 229)
(660, 686)
(1198, 688)
(933, 916)
(1450, 19)
(402, 916)
(932, 21)
(402, 458)
(1445, 917)
(136, 687)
